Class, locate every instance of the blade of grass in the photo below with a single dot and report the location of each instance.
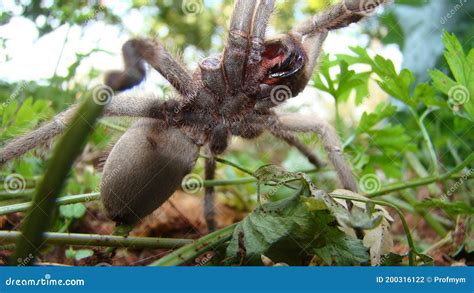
(65, 153)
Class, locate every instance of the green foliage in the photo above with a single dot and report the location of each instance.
(451, 208)
(78, 254)
(73, 211)
(460, 90)
(343, 84)
(18, 118)
(289, 231)
(298, 227)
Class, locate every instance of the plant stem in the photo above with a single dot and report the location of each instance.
(224, 182)
(423, 181)
(191, 251)
(427, 138)
(66, 151)
(112, 126)
(70, 199)
(8, 237)
(232, 164)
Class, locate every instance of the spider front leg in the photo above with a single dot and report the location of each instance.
(237, 43)
(329, 138)
(135, 53)
(314, 31)
(339, 16)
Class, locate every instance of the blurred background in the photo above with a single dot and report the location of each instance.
(52, 52)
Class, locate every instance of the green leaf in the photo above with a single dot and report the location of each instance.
(73, 211)
(341, 249)
(70, 253)
(279, 230)
(83, 253)
(293, 229)
(442, 82)
(368, 121)
(456, 59)
(460, 90)
(78, 254)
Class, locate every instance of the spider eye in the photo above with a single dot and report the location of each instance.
(281, 59)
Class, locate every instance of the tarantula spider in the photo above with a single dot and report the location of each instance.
(229, 94)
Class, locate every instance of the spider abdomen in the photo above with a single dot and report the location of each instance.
(143, 170)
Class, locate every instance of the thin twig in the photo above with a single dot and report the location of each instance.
(8, 237)
(423, 181)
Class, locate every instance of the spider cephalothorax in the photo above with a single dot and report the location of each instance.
(229, 94)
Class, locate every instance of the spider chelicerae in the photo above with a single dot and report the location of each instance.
(231, 94)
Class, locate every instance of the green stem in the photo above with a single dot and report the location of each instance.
(66, 151)
(191, 251)
(232, 164)
(112, 126)
(8, 237)
(412, 251)
(426, 137)
(225, 182)
(70, 199)
(423, 181)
